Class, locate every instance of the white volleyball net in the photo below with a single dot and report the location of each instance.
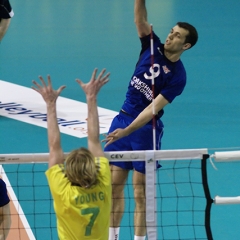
(178, 199)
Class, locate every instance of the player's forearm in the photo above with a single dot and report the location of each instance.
(143, 118)
(93, 121)
(147, 114)
(140, 18)
(53, 129)
(140, 12)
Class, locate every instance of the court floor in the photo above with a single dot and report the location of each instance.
(68, 39)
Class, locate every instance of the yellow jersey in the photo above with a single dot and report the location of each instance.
(81, 213)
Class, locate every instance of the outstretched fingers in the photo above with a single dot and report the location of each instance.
(108, 141)
(34, 88)
(43, 82)
(101, 74)
(94, 74)
(110, 138)
(96, 82)
(80, 82)
(105, 79)
(60, 89)
(49, 81)
(38, 87)
(46, 90)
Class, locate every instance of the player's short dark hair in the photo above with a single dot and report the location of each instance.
(192, 36)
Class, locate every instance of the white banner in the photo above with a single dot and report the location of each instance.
(26, 105)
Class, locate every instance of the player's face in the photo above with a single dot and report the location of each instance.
(175, 41)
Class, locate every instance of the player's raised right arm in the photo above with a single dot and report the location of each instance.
(140, 18)
(91, 90)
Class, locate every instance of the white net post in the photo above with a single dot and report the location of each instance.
(151, 216)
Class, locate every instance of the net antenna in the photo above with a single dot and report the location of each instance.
(153, 89)
(150, 164)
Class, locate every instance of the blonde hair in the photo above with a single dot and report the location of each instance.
(80, 168)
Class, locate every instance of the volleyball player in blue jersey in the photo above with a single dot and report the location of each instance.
(6, 13)
(132, 127)
(5, 215)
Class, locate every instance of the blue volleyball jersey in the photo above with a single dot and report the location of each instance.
(169, 78)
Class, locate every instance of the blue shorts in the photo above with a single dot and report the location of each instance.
(141, 139)
(4, 199)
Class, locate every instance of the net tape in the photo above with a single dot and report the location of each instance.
(178, 154)
(112, 156)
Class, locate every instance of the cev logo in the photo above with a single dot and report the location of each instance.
(152, 72)
(116, 156)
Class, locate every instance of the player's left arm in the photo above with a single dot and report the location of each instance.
(4, 24)
(143, 118)
(147, 114)
(140, 18)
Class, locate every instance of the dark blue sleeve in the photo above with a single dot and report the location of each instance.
(145, 41)
(176, 85)
(4, 199)
(5, 9)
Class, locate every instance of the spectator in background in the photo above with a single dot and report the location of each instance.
(5, 215)
(6, 13)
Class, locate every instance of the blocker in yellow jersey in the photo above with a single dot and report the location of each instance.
(79, 208)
